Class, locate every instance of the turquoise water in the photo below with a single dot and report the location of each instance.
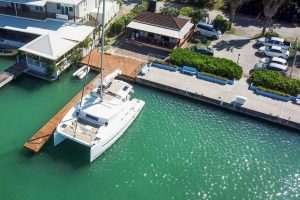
(175, 149)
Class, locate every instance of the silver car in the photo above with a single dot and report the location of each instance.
(273, 51)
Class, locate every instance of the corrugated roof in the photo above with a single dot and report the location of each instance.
(160, 20)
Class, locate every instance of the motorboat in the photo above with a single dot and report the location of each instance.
(101, 118)
(81, 72)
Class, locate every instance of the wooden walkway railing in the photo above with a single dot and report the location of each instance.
(41, 137)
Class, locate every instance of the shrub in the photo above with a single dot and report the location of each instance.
(169, 11)
(120, 24)
(221, 23)
(271, 34)
(218, 66)
(214, 76)
(275, 81)
(186, 11)
(273, 91)
(195, 14)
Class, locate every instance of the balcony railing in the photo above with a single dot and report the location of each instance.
(26, 14)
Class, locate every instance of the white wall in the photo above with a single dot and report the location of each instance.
(112, 8)
(52, 8)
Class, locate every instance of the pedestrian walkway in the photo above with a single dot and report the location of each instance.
(285, 113)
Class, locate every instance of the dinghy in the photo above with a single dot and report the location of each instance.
(81, 72)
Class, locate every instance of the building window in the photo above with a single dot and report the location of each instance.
(12, 5)
(36, 8)
(58, 6)
(70, 9)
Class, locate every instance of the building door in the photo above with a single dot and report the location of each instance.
(64, 10)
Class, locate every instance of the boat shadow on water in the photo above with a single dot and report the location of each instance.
(69, 153)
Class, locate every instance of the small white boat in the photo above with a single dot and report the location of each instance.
(81, 72)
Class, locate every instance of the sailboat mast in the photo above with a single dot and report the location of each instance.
(102, 47)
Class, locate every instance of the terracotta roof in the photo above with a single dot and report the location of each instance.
(157, 19)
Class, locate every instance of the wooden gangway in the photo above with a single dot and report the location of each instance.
(41, 137)
(11, 73)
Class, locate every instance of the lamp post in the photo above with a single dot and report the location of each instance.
(238, 58)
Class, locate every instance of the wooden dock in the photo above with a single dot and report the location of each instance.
(41, 137)
(11, 73)
(130, 68)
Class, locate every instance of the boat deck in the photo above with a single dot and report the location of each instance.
(130, 67)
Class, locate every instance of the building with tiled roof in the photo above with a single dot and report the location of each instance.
(159, 29)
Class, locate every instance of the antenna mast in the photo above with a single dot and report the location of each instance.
(102, 48)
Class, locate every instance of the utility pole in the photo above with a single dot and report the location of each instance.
(295, 57)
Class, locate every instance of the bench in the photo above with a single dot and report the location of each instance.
(189, 70)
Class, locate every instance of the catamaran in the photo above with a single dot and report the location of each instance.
(100, 118)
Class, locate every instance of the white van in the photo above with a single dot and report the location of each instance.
(207, 30)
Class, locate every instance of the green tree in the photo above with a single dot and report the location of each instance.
(221, 23)
(169, 11)
(270, 9)
(234, 5)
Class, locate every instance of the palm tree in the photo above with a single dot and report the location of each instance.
(270, 9)
(234, 5)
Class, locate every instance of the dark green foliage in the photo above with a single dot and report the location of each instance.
(194, 13)
(75, 57)
(275, 81)
(218, 66)
(271, 34)
(273, 91)
(221, 23)
(50, 69)
(169, 11)
(214, 76)
(119, 25)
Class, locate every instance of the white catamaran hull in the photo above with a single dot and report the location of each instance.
(98, 148)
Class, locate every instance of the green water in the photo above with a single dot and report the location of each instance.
(175, 149)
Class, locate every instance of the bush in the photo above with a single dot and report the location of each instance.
(221, 23)
(273, 91)
(214, 76)
(120, 24)
(218, 66)
(275, 81)
(271, 34)
(169, 11)
(188, 11)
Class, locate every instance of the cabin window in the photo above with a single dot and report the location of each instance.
(58, 6)
(70, 9)
(91, 117)
(125, 88)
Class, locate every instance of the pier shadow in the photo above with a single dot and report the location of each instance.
(30, 83)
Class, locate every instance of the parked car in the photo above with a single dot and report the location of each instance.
(271, 66)
(207, 30)
(203, 50)
(274, 60)
(274, 41)
(273, 51)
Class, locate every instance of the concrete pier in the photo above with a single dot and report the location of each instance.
(284, 113)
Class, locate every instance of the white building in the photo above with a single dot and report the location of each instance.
(49, 47)
(76, 10)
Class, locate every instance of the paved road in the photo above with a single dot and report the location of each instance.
(230, 46)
